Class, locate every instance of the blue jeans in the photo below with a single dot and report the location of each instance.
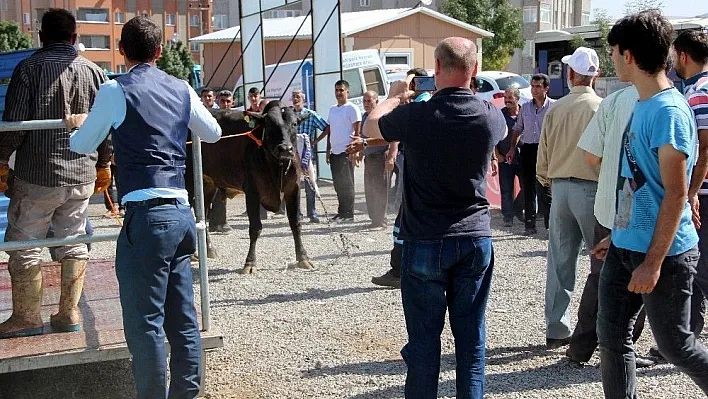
(668, 309)
(452, 273)
(310, 198)
(156, 294)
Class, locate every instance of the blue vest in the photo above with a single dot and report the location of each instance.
(150, 145)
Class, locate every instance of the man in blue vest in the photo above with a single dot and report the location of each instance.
(149, 114)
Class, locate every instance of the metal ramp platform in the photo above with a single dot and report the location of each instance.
(101, 336)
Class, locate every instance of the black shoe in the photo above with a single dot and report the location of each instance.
(643, 362)
(221, 229)
(389, 279)
(314, 220)
(530, 230)
(555, 343)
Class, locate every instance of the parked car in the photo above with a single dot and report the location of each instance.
(493, 83)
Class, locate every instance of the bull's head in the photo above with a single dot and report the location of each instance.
(279, 124)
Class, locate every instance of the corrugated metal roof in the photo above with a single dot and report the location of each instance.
(352, 22)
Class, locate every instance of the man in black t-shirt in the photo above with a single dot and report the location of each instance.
(445, 223)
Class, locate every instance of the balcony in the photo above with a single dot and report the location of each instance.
(92, 15)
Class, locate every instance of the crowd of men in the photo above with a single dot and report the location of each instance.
(626, 175)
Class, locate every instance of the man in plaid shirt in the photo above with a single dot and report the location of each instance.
(309, 128)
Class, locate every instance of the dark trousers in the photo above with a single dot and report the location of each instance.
(343, 179)
(157, 298)
(700, 280)
(583, 342)
(217, 216)
(451, 274)
(532, 189)
(509, 203)
(668, 310)
(376, 186)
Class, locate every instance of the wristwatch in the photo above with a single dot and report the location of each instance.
(366, 142)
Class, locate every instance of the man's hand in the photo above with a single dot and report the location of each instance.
(400, 89)
(103, 180)
(495, 167)
(356, 145)
(693, 201)
(74, 121)
(600, 250)
(327, 158)
(356, 158)
(390, 162)
(644, 278)
(510, 156)
(4, 174)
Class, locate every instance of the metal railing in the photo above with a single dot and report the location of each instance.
(198, 211)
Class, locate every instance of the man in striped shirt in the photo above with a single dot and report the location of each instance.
(52, 183)
(691, 64)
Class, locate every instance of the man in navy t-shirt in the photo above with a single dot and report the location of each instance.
(447, 255)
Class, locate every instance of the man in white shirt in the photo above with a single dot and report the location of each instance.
(344, 119)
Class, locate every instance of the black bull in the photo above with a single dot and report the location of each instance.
(264, 165)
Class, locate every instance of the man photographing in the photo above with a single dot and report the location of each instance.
(447, 252)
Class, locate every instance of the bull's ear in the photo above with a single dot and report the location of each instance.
(301, 118)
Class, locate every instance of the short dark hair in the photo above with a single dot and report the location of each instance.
(651, 53)
(253, 90)
(543, 78)
(141, 38)
(58, 25)
(226, 93)
(206, 90)
(694, 43)
(417, 72)
(342, 82)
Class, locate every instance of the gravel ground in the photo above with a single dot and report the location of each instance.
(330, 333)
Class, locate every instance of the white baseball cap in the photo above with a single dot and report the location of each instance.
(583, 61)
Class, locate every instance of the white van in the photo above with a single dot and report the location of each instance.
(361, 68)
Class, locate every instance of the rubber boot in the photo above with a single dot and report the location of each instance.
(26, 319)
(68, 318)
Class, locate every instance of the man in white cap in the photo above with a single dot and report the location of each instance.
(561, 166)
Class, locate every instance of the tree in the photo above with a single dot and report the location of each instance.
(604, 24)
(13, 38)
(635, 6)
(496, 16)
(176, 60)
(577, 41)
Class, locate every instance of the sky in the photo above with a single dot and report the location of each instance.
(672, 8)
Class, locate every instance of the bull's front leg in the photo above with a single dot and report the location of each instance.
(253, 208)
(292, 207)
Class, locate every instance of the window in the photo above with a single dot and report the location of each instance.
(220, 21)
(530, 14)
(169, 19)
(119, 17)
(284, 13)
(352, 76)
(194, 47)
(92, 15)
(585, 18)
(26, 18)
(545, 14)
(364, 3)
(194, 20)
(3, 5)
(95, 42)
(397, 59)
(106, 66)
(121, 69)
(117, 44)
(373, 80)
(484, 85)
(512, 81)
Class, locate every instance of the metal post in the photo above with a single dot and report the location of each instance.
(55, 242)
(32, 125)
(201, 231)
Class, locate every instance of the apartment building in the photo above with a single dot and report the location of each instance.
(544, 15)
(99, 22)
(226, 12)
